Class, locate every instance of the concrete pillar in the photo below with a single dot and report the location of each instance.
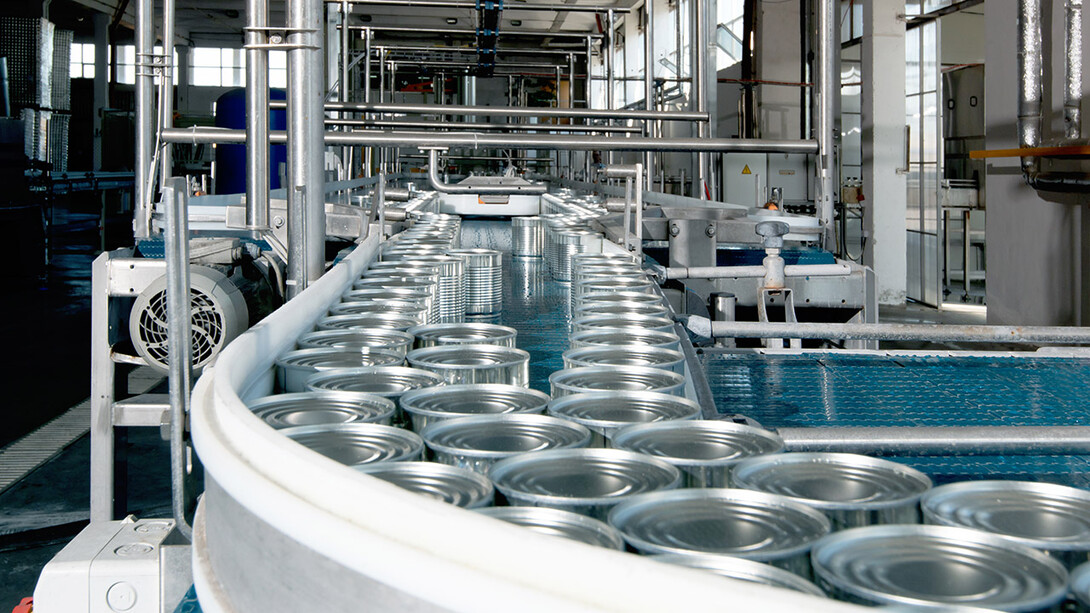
(884, 181)
(101, 100)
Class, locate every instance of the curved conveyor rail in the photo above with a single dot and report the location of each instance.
(282, 528)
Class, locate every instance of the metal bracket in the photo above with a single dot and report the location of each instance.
(768, 296)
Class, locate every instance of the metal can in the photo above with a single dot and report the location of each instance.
(604, 413)
(625, 336)
(474, 363)
(620, 308)
(615, 379)
(704, 450)
(937, 565)
(852, 490)
(295, 367)
(450, 484)
(316, 408)
(387, 381)
(479, 442)
(751, 525)
(742, 569)
(565, 524)
(622, 320)
(390, 321)
(394, 341)
(586, 481)
(483, 280)
(430, 405)
(1080, 586)
(465, 333)
(417, 310)
(1048, 517)
(618, 296)
(354, 444)
(626, 355)
(527, 237)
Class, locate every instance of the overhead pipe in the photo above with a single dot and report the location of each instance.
(747, 272)
(522, 6)
(257, 115)
(441, 186)
(442, 140)
(166, 91)
(473, 32)
(828, 75)
(458, 125)
(514, 111)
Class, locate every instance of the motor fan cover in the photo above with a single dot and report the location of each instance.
(218, 314)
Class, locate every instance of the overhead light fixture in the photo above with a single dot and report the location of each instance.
(452, 20)
(516, 22)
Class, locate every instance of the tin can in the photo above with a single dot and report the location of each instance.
(626, 355)
(390, 321)
(465, 333)
(934, 566)
(295, 367)
(742, 569)
(1048, 517)
(852, 490)
(318, 408)
(479, 442)
(564, 524)
(450, 484)
(704, 450)
(588, 379)
(394, 341)
(751, 525)
(585, 481)
(622, 320)
(604, 413)
(474, 363)
(391, 382)
(426, 406)
(354, 444)
(625, 336)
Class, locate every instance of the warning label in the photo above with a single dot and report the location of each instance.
(746, 170)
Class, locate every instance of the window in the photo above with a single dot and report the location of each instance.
(278, 69)
(729, 32)
(82, 62)
(217, 67)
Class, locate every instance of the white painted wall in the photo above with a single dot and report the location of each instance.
(1035, 258)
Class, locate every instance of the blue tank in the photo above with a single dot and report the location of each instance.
(231, 159)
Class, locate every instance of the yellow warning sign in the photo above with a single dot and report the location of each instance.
(746, 170)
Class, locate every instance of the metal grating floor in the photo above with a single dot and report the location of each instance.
(824, 390)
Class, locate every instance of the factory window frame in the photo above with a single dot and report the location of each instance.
(278, 69)
(729, 32)
(81, 64)
(217, 67)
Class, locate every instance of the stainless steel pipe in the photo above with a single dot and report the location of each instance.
(739, 272)
(1030, 77)
(942, 441)
(441, 186)
(892, 332)
(145, 117)
(257, 115)
(828, 90)
(508, 111)
(208, 135)
(1073, 69)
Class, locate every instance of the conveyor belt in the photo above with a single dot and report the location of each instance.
(828, 390)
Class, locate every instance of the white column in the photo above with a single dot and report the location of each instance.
(884, 183)
(102, 82)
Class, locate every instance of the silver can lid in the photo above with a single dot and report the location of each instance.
(1040, 515)
(751, 525)
(833, 481)
(742, 569)
(564, 524)
(928, 565)
(625, 336)
(466, 357)
(360, 340)
(331, 358)
(467, 399)
(622, 320)
(623, 355)
(450, 484)
(393, 321)
(698, 442)
(615, 379)
(316, 408)
(501, 436)
(353, 444)
(388, 381)
(581, 477)
(468, 333)
(605, 412)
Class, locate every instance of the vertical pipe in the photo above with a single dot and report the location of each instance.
(306, 146)
(145, 116)
(571, 80)
(166, 98)
(346, 152)
(701, 92)
(1073, 71)
(648, 82)
(367, 151)
(257, 116)
(805, 9)
(1030, 86)
(638, 184)
(590, 61)
(608, 56)
(179, 343)
(828, 73)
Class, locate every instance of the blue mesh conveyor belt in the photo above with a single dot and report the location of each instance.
(828, 390)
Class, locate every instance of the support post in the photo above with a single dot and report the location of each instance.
(257, 116)
(883, 147)
(145, 117)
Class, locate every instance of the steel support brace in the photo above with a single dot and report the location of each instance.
(942, 441)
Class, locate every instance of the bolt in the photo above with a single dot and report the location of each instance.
(276, 39)
(674, 230)
(710, 230)
(278, 222)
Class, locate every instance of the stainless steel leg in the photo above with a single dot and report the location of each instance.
(102, 395)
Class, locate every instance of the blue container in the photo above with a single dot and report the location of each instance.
(231, 159)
